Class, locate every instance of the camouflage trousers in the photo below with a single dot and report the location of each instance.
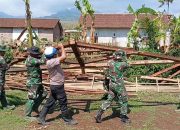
(3, 100)
(117, 92)
(36, 94)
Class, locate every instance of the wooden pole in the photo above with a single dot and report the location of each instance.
(157, 85)
(178, 83)
(93, 81)
(28, 23)
(136, 84)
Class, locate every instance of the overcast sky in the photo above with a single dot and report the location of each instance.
(48, 7)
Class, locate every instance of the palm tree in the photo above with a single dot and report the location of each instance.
(163, 2)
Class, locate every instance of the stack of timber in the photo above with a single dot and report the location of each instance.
(84, 69)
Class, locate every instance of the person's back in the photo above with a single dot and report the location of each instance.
(34, 72)
(36, 92)
(56, 73)
(3, 68)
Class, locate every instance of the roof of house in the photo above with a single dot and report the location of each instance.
(116, 20)
(21, 23)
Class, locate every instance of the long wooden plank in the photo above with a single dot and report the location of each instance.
(78, 57)
(158, 78)
(160, 56)
(102, 47)
(165, 70)
(171, 76)
(144, 62)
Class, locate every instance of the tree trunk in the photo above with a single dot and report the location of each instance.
(92, 32)
(28, 23)
(84, 29)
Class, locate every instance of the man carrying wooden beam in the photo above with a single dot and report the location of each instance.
(117, 91)
(3, 68)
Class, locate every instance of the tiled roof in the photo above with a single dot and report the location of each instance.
(20, 23)
(116, 20)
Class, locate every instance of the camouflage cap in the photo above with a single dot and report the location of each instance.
(119, 54)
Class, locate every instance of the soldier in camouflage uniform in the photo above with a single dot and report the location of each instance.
(116, 90)
(3, 68)
(36, 92)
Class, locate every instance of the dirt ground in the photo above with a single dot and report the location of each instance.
(148, 112)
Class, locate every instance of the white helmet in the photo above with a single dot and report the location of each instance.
(50, 52)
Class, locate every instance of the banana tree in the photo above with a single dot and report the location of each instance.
(85, 8)
(28, 23)
(175, 27)
(91, 12)
(163, 2)
(134, 31)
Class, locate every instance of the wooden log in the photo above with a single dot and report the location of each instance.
(145, 62)
(160, 56)
(102, 47)
(158, 78)
(171, 76)
(165, 70)
(78, 57)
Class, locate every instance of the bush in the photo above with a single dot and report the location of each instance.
(140, 70)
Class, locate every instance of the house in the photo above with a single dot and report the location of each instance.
(113, 28)
(15, 28)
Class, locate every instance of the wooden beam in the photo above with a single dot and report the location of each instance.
(102, 47)
(165, 70)
(171, 76)
(19, 37)
(160, 56)
(78, 57)
(158, 78)
(146, 62)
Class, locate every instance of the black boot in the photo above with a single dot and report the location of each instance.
(68, 119)
(42, 116)
(98, 116)
(125, 119)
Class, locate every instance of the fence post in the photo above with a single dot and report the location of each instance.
(178, 83)
(92, 84)
(136, 84)
(157, 85)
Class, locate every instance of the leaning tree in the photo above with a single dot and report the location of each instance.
(28, 23)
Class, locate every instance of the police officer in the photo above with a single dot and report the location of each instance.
(117, 90)
(36, 92)
(3, 68)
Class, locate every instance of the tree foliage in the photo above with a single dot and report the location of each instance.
(85, 8)
(148, 26)
(163, 2)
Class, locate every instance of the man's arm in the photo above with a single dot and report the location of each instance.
(61, 49)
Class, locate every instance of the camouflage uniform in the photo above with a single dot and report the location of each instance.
(116, 91)
(36, 93)
(3, 68)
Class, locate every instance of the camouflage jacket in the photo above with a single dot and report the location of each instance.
(34, 72)
(3, 68)
(116, 70)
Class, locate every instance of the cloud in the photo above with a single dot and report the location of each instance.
(48, 7)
